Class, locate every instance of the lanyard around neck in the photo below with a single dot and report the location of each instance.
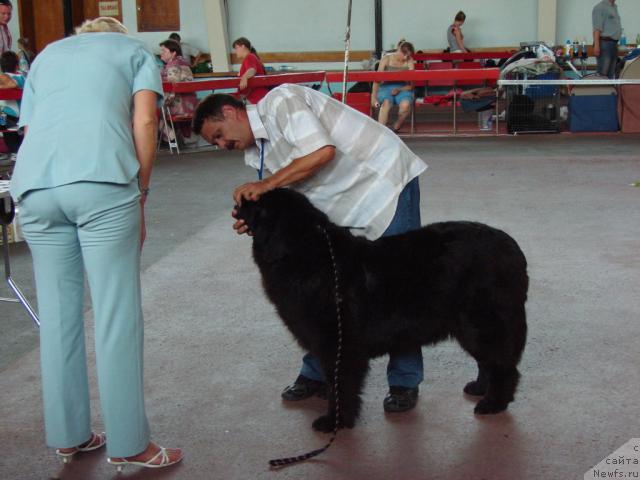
(260, 172)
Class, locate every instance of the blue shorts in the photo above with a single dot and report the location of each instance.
(384, 93)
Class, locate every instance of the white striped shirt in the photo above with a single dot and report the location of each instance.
(361, 185)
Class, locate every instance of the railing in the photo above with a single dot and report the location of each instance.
(447, 57)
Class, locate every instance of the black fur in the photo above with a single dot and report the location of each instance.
(453, 279)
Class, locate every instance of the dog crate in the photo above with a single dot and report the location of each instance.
(593, 108)
(532, 107)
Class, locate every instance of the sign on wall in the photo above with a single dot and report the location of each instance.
(109, 8)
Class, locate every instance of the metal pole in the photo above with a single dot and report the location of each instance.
(378, 27)
(347, 43)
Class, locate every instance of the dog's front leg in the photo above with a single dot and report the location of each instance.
(345, 403)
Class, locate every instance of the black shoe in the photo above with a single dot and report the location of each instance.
(304, 388)
(400, 399)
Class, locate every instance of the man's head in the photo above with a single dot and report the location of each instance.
(222, 120)
(6, 9)
(175, 36)
(9, 62)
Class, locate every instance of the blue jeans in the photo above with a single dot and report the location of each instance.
(403, 370)
(608, 58)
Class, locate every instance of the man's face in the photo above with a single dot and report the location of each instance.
(232, 133)
(5, 14)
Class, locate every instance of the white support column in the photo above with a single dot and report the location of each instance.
(547, 19)
(216, 19)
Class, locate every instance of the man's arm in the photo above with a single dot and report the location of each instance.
(597, 20)
(299, 169)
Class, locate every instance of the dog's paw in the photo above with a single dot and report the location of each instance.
(475, 388)
(488, 407)
(325, 424)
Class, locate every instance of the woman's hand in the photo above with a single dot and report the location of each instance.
(243, 83)
(375, 103)
(143, 228)
(395, 91)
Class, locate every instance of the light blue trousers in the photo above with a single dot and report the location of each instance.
(93, 227)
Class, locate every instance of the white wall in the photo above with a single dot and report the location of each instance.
(308, 25)
(301, 25)
(574, 19)
(489, 23)
(193, 29)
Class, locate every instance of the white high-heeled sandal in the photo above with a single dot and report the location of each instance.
(165, 461)
(98, 440)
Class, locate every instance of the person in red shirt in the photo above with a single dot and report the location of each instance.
(251, 66)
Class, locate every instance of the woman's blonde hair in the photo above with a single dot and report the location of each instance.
(101, 24)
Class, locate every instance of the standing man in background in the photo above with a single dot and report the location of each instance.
(6, 10)
(607, 30)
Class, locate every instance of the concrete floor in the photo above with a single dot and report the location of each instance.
(217, 356)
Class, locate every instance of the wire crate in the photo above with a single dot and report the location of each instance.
(533, 108)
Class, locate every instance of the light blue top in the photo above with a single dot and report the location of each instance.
(77, 104)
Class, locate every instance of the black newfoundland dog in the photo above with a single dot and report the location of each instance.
(453, 279)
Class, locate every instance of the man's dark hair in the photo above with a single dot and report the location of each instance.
(211, 109)
(172, 46)
(6, 3)
(175, 36)
(9, 60)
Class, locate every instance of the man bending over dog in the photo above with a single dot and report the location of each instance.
(351, 167)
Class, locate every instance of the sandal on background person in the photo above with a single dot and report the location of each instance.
(97, 440)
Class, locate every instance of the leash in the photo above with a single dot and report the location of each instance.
(283, 462)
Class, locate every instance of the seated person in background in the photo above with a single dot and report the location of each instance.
(251, 66)
(455, 36)
(189, 52)
(177, 69)
(386, 94)
(25, 55)
(11, 78)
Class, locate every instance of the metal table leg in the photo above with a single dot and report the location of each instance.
(7, 270)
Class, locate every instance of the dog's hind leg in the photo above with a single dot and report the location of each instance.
(352, 372)
(478, 387)
(502, 383)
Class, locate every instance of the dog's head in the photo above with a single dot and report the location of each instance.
(279, 221)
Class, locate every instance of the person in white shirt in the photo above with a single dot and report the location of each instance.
(349, 166)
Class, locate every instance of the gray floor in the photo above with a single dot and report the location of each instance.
(217, 355)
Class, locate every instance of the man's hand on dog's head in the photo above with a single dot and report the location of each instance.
(239, 226)
(251, 191)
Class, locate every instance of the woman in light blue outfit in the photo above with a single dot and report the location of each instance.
(385, 95)
(81, 180)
